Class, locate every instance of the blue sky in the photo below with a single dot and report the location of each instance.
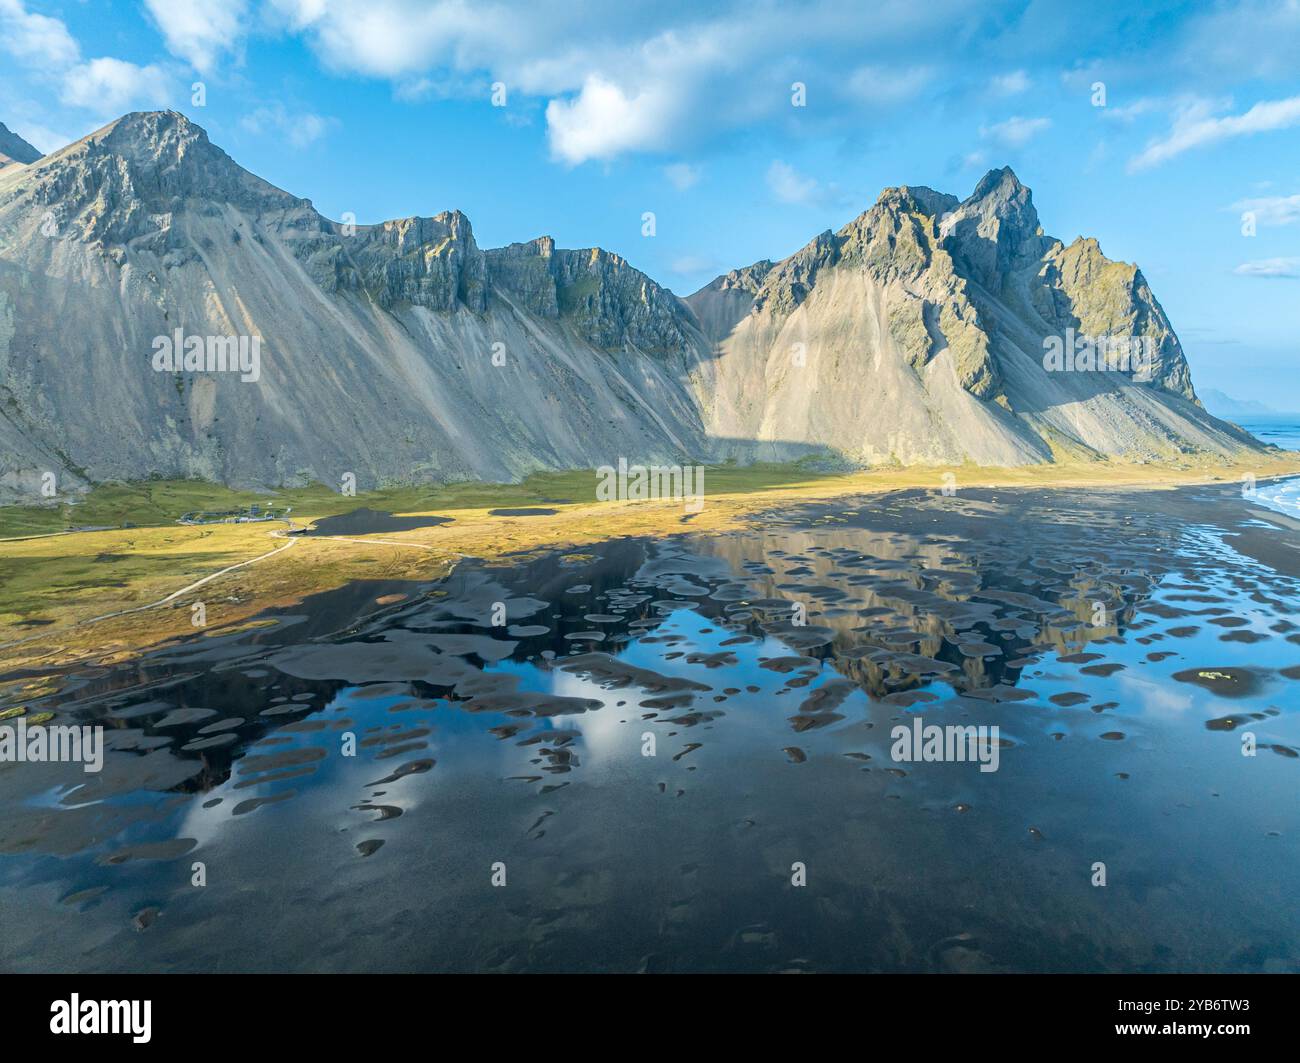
(384, 108)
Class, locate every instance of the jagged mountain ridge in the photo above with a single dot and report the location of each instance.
(381, 342)
(378, 341)
(920, 330)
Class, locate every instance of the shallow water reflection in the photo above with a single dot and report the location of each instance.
(1119, 641)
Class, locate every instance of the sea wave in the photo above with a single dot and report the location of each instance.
(1282, 496)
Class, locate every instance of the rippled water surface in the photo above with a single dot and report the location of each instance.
(1123, 642)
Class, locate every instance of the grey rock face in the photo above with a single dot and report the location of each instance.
(124, 183)
(385, 351)
(995, 231)
(917, 333)
(606, 301)
(429, 262)
(403, 352)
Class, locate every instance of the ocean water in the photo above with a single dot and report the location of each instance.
(1281, 495)
(677, 754)
(1280, 430)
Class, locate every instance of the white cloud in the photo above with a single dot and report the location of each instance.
(682, 175)
(1271, 210)
(300, 129)
(111, 86)
(1016, 131)
(640, 77)
(105, 86)
(603, 121)
(1269, 267)
(34, 39)
(1194, 127)
(400, 39)
(1012, 84)
(200, 31)
(790, 186)
(444, 87)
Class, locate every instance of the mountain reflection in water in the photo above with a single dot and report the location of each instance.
(1078, 623)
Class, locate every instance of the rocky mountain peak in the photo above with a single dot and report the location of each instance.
(746, 279)
(920, 327)
(431, 262)
(416, 231)
(134, 177)
(951, 272)
(145, 133)
(1000, 195)
(156, 146)
(896, 237)
(153, 182)
(996, 229)
(14, 149)
(725, 300)
(1000, 182)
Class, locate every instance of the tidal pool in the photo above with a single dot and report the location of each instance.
(454, 776)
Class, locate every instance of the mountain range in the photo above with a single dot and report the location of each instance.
(1222, 405)
(403, 352)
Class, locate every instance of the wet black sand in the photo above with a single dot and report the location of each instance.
(1123, 641)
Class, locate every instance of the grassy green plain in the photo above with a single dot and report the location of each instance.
(69, 594)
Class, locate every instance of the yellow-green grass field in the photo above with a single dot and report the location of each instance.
(68, 595)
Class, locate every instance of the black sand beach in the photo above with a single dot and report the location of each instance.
(1123, 642)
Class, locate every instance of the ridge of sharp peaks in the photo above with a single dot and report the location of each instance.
(171, 164)
(999, 194)
(1000, 189)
